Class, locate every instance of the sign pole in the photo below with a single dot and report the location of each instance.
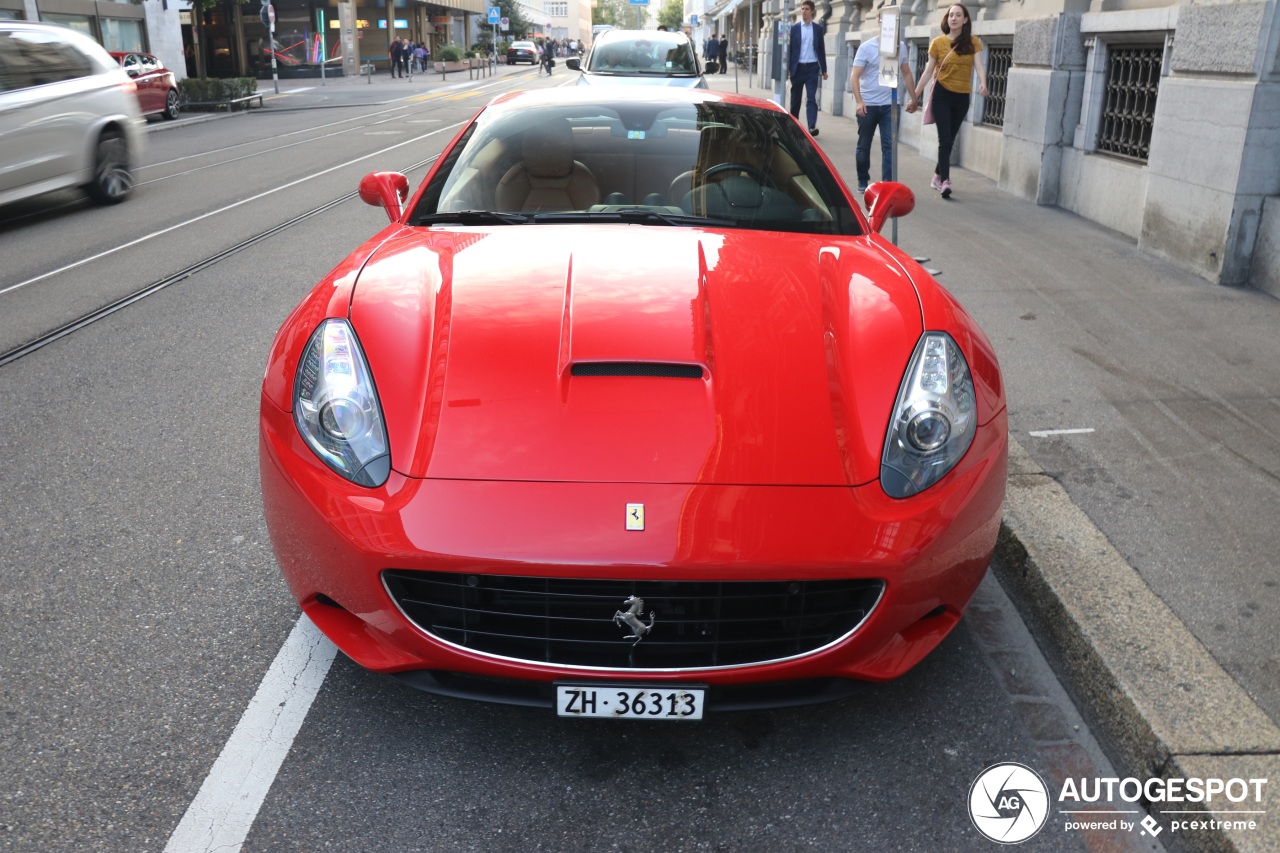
(783, 46)
(324, 53)
(889, 62)
(269, 21)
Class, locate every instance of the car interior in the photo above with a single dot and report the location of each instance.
(740, 173)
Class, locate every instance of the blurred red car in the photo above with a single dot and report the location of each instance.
(630, 412)
(157, 85)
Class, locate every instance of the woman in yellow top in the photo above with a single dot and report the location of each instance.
(953, 56)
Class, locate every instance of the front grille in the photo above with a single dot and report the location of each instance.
(570, 622)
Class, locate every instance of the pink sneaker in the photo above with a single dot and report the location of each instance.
(946, 189)
(935, 183)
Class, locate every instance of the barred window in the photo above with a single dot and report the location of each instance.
(998, 61)
(1129, 106)
(921, 49)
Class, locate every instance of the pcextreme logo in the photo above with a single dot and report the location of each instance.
(1009, 803)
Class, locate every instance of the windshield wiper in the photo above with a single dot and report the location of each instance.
(640, 216)
(473, 217)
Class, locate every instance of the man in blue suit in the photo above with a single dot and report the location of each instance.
(806, 60)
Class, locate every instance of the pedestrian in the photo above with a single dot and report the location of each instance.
(724, 53)
(953, 58)
(394, 54)
(875, 106)
(807, 59)
(406, 54)
(711, 50)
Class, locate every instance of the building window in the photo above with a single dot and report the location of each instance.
(122, 35)
(557, 10)
(921, 49)
(999, 58)
(1129, 101)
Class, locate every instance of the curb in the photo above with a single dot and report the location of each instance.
(1160, 703)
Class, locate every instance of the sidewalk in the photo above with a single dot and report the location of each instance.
(1140, 524)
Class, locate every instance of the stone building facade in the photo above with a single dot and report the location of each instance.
(1158, 120)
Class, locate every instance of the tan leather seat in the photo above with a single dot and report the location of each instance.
(548, 178)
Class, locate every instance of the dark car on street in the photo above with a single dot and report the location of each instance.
(523, 51)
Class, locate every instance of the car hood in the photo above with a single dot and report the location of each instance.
(476, 339)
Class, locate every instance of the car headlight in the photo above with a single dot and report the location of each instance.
(933, 420)
(336, 406)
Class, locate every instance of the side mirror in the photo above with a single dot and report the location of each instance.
(132, 72)
(573, 64)
(711, 67)
(887, 199)
(388, 190)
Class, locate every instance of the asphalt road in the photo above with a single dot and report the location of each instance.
(143, 607)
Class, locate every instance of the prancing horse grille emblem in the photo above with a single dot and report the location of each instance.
(635, 516)
(635, 612)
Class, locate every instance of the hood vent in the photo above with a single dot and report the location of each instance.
(662, 369)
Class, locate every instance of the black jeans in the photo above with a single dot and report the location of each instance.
(949, 110)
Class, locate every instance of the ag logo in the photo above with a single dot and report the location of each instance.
(1008, 803)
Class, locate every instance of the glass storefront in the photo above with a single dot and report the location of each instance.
(123, 35)
(79, 23)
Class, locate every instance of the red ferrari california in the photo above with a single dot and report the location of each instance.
(727, 447)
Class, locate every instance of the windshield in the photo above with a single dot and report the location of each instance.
(643, 56)
(652, 163)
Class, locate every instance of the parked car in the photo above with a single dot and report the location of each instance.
(524, 51)
(68, 115)
(157, 85)
(646, 57)
(631, 412)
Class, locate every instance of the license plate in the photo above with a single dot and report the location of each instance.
(630, 702)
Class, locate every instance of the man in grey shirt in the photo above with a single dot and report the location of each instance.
(875, 106)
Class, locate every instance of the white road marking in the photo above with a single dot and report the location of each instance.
(223, 812)
(1042, 433)
(224, 209)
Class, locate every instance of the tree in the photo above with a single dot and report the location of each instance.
(672, 15)
(616, 13)
(520, 25)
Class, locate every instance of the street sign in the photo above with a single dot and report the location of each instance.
(506, 24)
(495, 14)
(693, 20)
(268, 15)
(638, 2)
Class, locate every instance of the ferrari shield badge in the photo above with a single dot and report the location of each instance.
(635, 516)
(632, 617)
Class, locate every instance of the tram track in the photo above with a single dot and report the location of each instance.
(181, 275)
(237, 154)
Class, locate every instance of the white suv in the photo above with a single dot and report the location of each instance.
(68, 115)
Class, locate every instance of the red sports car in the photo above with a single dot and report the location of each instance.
(157, 85)
(726, 448)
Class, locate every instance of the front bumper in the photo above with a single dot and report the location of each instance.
(335, 540)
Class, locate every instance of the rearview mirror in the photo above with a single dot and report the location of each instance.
(573, 64)
(388, 190)
(887, 199)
